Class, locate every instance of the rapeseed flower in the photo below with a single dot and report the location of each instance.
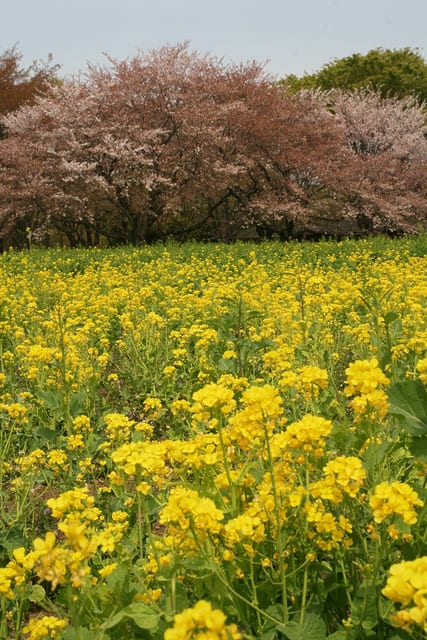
(203, 623)
(50, 561)
(264, 402)
(262, 406)
(310, 379)
(422, 370)
(364, 381)
(43, 628)
(108, 569)
(395, 498)
(244, 527)
(31, 462)
(7, 575)
(211, 399)
(81, 425)
(327, 531)
(75, 441)
(364, 376)
(57, 459)
(346, 473)
(76, 500)
(143, 460)
(305, 436)
(118, 428)
(186, 509)
(407, 585)
(131, 339)
(15, 411)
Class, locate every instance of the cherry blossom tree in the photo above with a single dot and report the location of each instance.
(175, 143)
(168, 142)
(375, 125)
(389, 137)
(20, 85)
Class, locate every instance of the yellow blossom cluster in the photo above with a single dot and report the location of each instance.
(55, 559)
(247, 526)
(45, 627)
(143, 461)
(310, 380)
(395, 498)
(344, 474)
(407, 585)
(262, 407)
(327, 530)
(191, 518)
(302, 437)
(15, 411)
(422, 370)
(210, 400)
(364, 384)
(201, 622)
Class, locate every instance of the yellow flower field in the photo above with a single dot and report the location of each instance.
(214, 442)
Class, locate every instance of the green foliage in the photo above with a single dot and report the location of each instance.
(312, 628)
(408, 400)
(392, 72)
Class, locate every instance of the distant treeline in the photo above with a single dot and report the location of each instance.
(175, 144)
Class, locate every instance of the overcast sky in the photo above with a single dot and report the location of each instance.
(292, 36)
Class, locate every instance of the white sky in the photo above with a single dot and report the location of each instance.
(292, 36)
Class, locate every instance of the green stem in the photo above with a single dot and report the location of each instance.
(253, 604)
(254, 593)
(3, 621)
(63, 371)
(304, 595)
(238, 595)
(305, 579)
(173, 593)
(280, 546)
(140, 523)
(4, 451)
(227, 470)
(346, 583)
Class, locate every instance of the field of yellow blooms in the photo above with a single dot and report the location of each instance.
(214, 442)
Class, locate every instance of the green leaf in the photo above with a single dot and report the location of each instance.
(46, 434)
(77, 633)
(364, 609)
(139, 612)
(226, 365)
(52, 400)
(375, 454)
(113, 621)
(408, 401)
(143, 615)
(390, 317)
(418, 448)
(269, 635)
(14, 542)
(37, 594)
(77, 403)
(313, 628)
